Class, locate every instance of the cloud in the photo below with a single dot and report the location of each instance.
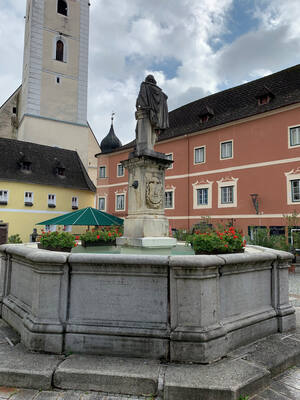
(193, 48)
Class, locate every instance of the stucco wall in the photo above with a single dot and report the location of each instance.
(262, 163)
(22, 219)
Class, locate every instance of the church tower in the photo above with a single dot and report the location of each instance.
(53, 103)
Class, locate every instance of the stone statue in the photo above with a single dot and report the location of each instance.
(152, 98)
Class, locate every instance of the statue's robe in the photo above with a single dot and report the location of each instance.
(152, 98)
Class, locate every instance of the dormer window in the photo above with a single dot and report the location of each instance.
(206, 114)
(24, 163)
(264, 96)
(62, 7)
(59, 169)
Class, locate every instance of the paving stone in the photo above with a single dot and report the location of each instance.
(269, 394)
(7, 392)
(287, 379)
(285, 390)
(24, 394)
(69, 395)
(47, 395)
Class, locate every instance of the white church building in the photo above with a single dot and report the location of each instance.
(50, 107)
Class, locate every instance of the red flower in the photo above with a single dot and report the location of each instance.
(75, 245)
(235, 237)
(98, 236)
(77, 237)
(109, 234)
(226, 245)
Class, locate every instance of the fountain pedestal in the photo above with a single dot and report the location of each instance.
(146, 224)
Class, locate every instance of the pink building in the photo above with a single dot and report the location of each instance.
(236, 157)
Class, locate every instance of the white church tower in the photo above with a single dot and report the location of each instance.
(53, 102)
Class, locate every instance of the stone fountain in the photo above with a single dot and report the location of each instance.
(146, 225)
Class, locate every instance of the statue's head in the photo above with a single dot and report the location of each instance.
(150, 79)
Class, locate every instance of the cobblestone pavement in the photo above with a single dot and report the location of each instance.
(26, 394)
(283, 387)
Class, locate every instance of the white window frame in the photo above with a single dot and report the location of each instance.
(75, 201)
(65, 56)
(290, 146)
(102, 197)
(170, 158)
(223, 183)
(50, 228)
(202, 185)
(293, 175)
(116, 201)
(170, 190)
(68, 9)
(51, 201)
(5, 195)
(222, 143)
(105, 175)
(118, 165)
(31, 197)
(204, 155)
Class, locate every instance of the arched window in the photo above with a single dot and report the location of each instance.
(59, 50)
(62, 7)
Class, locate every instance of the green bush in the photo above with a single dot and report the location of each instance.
(14, 239)
(262, 237)
(57, 240)
(229, 241)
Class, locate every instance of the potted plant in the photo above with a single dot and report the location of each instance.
(228, 241)
(101, 237)
(57, 241)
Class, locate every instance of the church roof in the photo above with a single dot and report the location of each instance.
(44, 161)
(234, 104)
(110, 142)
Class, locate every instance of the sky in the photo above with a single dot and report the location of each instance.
(193, 48)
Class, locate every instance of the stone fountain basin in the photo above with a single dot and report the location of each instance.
(174, 308)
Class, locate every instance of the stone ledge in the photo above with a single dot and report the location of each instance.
(246, 371)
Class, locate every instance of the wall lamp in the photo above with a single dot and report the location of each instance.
(254, 198)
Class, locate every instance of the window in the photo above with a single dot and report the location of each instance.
(51, 200)
(227, 194)
(120, 202)
(58, 80)
(120, 170)
(62, 7)
(170, 157)
(295, 190)
(202, 197)
(102, 172)
(226, 150)
(277, 230)
(199, 155)
(3, 197)
(59, 51)
(169, 199)
(264, 100)
(293, 186)
(50, 228)
(28, 198)
(74, 203)
(295, 136)
(102, 203)
(202, 194)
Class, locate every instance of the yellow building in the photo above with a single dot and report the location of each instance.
(38, 183)
(50, 107)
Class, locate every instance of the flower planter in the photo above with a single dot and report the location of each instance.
(98, 243)
(199, 253)
(63, 249)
